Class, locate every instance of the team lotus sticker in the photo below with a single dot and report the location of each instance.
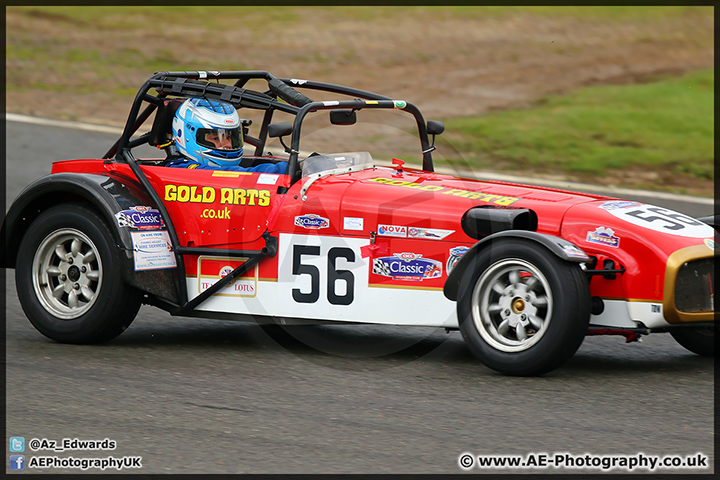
(212, 269)
(312, 221)
(603, 236)
(455, 254)
(431, 233)
(407, 266)
(392, 231)
(141, 218)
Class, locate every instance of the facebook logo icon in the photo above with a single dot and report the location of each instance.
(17, 462)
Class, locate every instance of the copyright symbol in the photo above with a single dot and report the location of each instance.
(466, 460)
(34, 444)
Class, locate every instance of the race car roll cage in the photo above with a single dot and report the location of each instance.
(194, 84)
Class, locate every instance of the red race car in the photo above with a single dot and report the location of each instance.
(523, 272)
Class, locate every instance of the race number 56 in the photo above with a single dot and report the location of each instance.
(338, 280)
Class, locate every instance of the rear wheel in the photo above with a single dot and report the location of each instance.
(522, 310)
(68, 277)
(697, 340)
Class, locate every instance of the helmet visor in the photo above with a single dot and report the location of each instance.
(220, 139)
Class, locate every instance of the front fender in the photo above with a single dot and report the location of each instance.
(107, 195)
(562, 248)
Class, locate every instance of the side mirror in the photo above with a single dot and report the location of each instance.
(435, 128)
(343, 117)
(281, 129)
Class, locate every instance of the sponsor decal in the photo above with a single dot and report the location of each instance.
(407, 266)
(456, 192)
(711, 244)
(353, 223)
(152, 250)
(331, 103)
(603, 236)
(573, 251)
(616, 205)
(212, 269)
(267, 179)
(400, 104)
(455, 254)
(228, 174)
(298, 81)
(431, 233)
(140, 217)
(312, 221)
(371, 102)
(392, 231)
(230, 196)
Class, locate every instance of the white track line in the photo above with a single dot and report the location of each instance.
(579, 187)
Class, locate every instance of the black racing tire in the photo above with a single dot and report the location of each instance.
(697, 340)
(68, 277)
(522, 310)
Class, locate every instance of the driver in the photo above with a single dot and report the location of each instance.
(209, 136)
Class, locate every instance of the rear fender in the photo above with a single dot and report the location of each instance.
(107, 195)
(561, 248)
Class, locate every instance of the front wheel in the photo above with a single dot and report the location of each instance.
(697, 340)
(68, 277)
(522, 310)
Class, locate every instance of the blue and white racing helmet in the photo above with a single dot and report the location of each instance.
(208, 132)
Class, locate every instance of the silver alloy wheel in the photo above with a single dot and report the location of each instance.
(67, 273)
(512, 305)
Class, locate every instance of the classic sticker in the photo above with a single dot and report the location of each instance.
(455, 255)
(603, 236)
(392, 231)
(431, 233)
(663, 220)
(140, 217)
(152, 250)
(407, 266)
(312, 221)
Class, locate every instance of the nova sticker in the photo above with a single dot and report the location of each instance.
(603, 236)
(140, 217)
(152, 250)
(455, 255)
(407, 266)
(430, 233)
(456, 192)
(392, 231)
(312, 221)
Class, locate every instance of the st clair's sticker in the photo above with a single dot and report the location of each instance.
(140, 217)
(431, 233)
(212, 269)
(618, 204)
(353, 223)
(152, 250)
(312, 221)
(407, 266)
(392, 231)
(603, 236)
(455, 255)
(455, 192)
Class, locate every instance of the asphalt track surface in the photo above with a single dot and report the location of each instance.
(210, 396)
